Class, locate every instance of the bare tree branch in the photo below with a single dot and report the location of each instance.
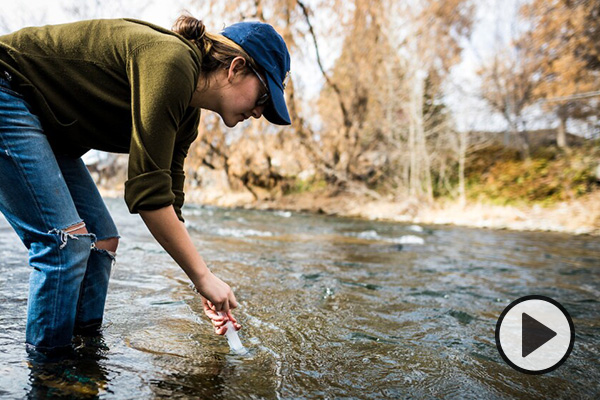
(347, 120)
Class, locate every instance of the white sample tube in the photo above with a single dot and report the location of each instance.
(233, 339)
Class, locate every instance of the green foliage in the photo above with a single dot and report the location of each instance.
(298, 186)
(549, 176)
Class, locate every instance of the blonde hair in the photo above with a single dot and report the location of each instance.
(217, 50)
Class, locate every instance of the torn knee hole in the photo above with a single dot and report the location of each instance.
(109, 244)
(111, 254)
(101, 250)
(77, 229)
(69, 232)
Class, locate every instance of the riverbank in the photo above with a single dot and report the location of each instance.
(580, 216)
(553, 190)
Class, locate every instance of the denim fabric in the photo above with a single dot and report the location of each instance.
(41, 196)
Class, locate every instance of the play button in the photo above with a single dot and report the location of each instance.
(535, 334)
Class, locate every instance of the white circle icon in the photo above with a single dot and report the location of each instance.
(535, 334)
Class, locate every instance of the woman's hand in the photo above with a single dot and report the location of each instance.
(218, 299)
(172, 235)
(216, 291)
(219, 319)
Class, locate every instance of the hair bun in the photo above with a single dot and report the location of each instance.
(189, 27)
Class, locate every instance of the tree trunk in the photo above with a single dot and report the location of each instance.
(561, 133)
(412, 151)
(524, 147)
(462, 156)
(420, 166)
(506, 140)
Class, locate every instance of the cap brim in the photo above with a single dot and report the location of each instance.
(276, 111)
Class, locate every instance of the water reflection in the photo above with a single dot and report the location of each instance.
(78, 374)
(222, 378)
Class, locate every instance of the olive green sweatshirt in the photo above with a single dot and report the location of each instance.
(119, 85)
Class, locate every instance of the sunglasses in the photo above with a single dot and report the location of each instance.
(262, 100)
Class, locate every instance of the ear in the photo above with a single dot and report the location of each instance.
(236, 68)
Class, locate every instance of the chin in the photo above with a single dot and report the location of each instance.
(229, 123)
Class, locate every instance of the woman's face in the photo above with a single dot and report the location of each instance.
(239, 94)
(240, 100)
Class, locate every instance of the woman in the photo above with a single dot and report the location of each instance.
(120, 86)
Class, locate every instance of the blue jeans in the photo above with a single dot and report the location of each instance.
(42, 195)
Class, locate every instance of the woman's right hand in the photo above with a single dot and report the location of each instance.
(218, 300)
(217, 292)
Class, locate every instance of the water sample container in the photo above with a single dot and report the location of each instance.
(233, 339)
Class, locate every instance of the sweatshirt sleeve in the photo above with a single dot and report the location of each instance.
(162, 77)
(188, 132)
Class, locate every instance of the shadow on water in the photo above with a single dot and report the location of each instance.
(77, 375)
(331, 308)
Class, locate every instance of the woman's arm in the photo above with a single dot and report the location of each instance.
(172, 235)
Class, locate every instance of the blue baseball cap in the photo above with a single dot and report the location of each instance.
(268, 49)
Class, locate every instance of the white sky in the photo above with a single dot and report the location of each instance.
(32, 12)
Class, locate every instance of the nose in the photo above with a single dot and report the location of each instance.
(258, 111)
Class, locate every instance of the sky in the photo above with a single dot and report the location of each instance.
(21, 13)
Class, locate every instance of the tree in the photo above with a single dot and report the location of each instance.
(351, 103)
(508, 85)
(430, 46)
(381, 103)
(565, 36)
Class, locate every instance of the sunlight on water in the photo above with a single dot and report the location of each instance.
(330, 308)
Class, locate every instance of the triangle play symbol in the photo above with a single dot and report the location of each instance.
(534, 335)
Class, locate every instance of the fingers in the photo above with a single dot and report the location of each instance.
(216, 319)
(219, 318)
(231, 317)
(219, 309)
(209, 310)
(224, 306)
(232, 301)
(220, 294)
(220, 330)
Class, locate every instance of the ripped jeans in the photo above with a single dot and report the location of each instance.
(41, 196)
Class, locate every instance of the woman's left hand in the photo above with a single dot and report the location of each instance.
(218, 320)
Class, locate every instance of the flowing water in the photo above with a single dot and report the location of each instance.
(330, 308)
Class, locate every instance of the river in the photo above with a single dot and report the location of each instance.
(330, 307)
